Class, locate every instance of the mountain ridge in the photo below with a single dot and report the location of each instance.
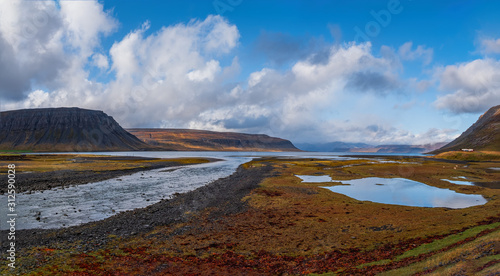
(73, 129)
(368, 148)
(484, 134)
(64, 129)
(205, 140)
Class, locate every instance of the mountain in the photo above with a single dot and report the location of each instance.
(64, 129)
(361, 147)
(333, 146)
(202, 140)
(484, 134)
(402, 148)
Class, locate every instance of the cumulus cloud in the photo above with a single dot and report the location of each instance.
(373, 82)
(29, 48)
(490, 46)
(421, 52)
(44, 43)
(206, 73)
(84, 21)
(375, 130)
(280, 48)
(100, 61)
(472, 86)
(179, 76)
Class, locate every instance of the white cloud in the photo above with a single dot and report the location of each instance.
(48, 44)
(37, 98)
(85, 21)
(30, 48)
(218, 36)
(177, 76)
(490, 46)
(207, 73)
(472, 87)
(406, 53)
(100, 61)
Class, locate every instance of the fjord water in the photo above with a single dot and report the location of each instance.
(70, 206)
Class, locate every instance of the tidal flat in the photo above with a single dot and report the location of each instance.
(264, 220)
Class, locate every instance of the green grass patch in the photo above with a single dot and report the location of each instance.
(381, 262)
(442, 243)
(436, 245)
(477, 263)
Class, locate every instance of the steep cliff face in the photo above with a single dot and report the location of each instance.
(190, 139)
(484, 134)
(64, 129)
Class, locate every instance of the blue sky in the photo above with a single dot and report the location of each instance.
(379, 72)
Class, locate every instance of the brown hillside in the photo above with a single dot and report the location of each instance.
(484, 134)
(202, 140)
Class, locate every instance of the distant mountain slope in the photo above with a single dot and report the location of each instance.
(402, 148)
(361, 147)
(333, 146)
(192, 140)
(64, 129)
(484, 134)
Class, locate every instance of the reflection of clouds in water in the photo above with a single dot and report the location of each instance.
(407, 192)
(314, 178)
(454, 201)
(459, 182)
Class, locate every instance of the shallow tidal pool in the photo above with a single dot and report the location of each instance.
(401, 191)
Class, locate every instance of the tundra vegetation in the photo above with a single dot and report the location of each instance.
(288, 227)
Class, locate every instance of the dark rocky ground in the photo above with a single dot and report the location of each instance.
(222, 196)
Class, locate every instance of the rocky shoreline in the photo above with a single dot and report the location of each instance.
(222, 196)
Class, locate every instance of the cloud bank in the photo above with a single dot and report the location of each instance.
(188, 76)
(470, 87)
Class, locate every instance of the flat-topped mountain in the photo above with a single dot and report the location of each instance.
(202, 140)
(484, 134)
(64, 129)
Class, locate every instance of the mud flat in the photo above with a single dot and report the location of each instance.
(264, 220)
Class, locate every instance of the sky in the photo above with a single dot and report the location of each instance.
(379, 72)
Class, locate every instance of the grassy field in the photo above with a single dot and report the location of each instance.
(295, 228)
(470, 156)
